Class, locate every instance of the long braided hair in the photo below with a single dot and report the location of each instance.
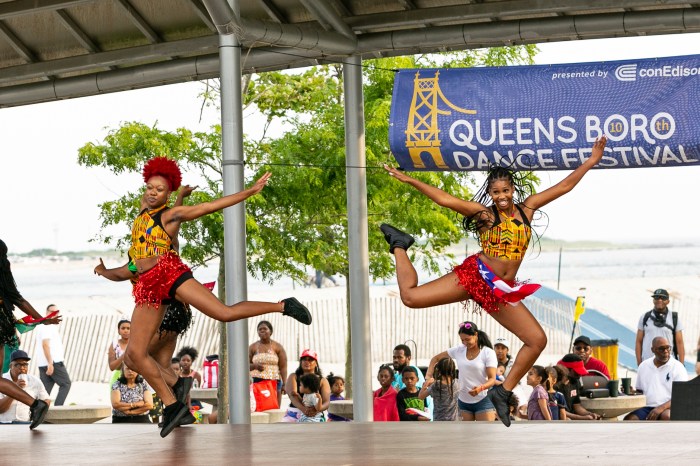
(445, 368)
(8, 288)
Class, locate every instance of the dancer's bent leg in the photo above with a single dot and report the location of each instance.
(144, 324)
(444, 290)
(518, 320)
(196, 295)
(162, 348)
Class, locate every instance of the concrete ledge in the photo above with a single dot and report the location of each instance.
(77, 414)
(259, 418)
(276, 415)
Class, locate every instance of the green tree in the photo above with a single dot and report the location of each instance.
(300, 220)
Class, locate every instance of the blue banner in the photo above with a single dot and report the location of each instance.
(546, 117)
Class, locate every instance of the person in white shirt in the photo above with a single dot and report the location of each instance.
(50, 359)
(11, 410)
(659, 322)
(655, 380)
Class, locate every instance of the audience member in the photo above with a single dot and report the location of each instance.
(131, 398)
(655, 380)
(409, 405)
(309, 387)
(12, 411)
(402, 359)
(557, 401)
(337, 384)
(268, 359)
(443, 389)
(538, 404)
(476, 362)
(384, 399)
(308, 364)
(572, 368)
(187, 357)
(175, 365)
(582, 347)
(50, 359)
(659, 322)
(502, 349)
(115, 352)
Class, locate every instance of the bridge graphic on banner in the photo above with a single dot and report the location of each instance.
(422, 133)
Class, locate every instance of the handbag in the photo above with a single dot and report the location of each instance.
(210, 376)
(265, 393)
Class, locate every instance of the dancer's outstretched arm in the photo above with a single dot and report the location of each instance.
(438, 196)
(117, 274)
(538, 200)
(185, 213)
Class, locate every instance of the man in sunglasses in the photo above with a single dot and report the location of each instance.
(659, 322)
(583, 348)
(655, 379)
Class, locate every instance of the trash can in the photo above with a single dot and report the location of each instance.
(606, 351)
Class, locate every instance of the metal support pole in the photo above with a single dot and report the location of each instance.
(234, 223)
(358, 244)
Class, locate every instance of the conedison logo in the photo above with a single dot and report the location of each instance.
(626, 72)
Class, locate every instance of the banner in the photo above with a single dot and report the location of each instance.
(546, 117)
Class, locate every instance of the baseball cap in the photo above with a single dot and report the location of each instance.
(660, 293)
(502, 341)
(307, 353)
(19, 354)
(573, 362)
(583, 339)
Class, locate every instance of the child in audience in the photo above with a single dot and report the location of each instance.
(407, 399)
(337, 384)
(557, 402)
(443, 388)
(309, 387)
(538, 404)
(500, 373)
(384, 399)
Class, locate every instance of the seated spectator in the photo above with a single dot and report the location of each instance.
(337, 384)
(12, 411)
(655, 379)
(384, 399)
(401, 360)
(583, 348)
(408, 399)
(308, 364)
(557, 402)
(131, 398)
(572, 368)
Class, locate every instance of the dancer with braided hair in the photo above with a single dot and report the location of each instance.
(163, 275)
(9, 298)
(501, 218)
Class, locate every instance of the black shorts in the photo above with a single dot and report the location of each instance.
(177, 318)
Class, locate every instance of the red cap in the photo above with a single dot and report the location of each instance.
(307, 353)
(576, 366)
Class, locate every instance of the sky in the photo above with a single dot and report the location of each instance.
(49, 201)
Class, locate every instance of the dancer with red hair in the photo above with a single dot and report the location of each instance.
(163, 276)
(500, 216)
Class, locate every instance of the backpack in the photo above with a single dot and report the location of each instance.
(674, 316)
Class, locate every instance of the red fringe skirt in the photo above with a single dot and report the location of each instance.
(480, 293)
(155, 285)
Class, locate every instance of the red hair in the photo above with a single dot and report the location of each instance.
(162, 166)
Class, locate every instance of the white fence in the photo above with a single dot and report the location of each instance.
(429, 331)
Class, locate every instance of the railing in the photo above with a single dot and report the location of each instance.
(87, 338)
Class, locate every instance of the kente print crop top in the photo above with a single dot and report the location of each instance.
(508, 238)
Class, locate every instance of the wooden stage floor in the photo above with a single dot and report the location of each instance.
(457, 443)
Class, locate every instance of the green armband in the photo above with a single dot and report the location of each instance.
(132, 267)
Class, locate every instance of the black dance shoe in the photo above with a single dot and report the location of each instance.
(173, 416)
(293, 308)
(37, 413)
(182, 388)
(396, 238)
(499, 396)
